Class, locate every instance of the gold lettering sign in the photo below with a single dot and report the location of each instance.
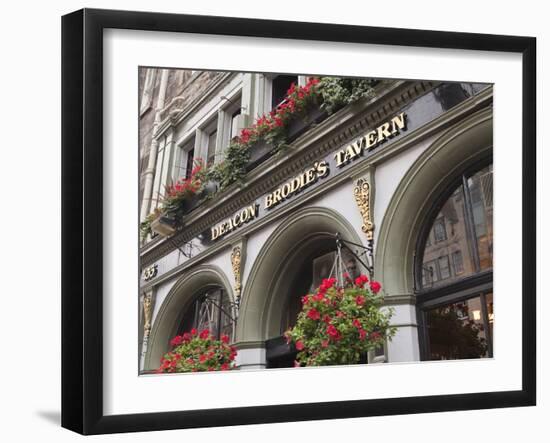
(317, 171)
(232, 223)
(371, 140)
(296, 184)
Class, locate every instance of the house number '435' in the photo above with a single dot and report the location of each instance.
(150, 272)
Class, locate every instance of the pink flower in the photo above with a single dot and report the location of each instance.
(177, 340)
(333, 332)
(361, 280)
(324, 343)
(299, 345)
(313, 314)
(375, 286)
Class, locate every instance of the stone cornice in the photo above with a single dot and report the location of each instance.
(468, 107)
(318, 141)
(175, 116)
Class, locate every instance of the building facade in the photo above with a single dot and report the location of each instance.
(406, 173)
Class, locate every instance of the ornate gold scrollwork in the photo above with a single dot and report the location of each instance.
(236, 264)
(147, 312)
(361, 192)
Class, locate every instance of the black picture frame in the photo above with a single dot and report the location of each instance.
(82, 253)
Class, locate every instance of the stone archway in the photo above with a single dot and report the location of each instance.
(461, 146)
(176, 302)
(268, 282)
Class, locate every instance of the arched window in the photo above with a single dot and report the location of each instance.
(212, 310)
(454, 278)
(306, 273)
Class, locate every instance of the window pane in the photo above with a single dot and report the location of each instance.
(450, 239)
(456, 331)
(211, 151)
(490, 311)
(235, 123)
(444, 270)
(189, 162)
(458, 264)
(212, 311)
(281, 84)
(480, 186)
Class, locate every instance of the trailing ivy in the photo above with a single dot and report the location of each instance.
(330, 93)
(337, 92)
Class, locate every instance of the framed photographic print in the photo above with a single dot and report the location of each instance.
(277, 221)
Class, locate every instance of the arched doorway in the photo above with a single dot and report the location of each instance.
(293, 261)
(201, 298)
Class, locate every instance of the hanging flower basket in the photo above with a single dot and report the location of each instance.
(194, 352)
(339, 324)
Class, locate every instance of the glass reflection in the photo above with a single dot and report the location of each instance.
(480, 186)
(447, 254)
(213, 311)
(456, 331)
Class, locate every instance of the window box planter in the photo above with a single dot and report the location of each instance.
(262, 150)
(164, 225)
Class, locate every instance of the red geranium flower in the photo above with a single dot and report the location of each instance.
(375, 286)
(359, 300)
(356, 323)
(204, 334)
(333, 332)
(314, 314)
(299, 345)
(177, 340)
(224, 338)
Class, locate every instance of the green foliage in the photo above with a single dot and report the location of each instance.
(331, 93)
(338, 92)
(233, 168)
(193, 352)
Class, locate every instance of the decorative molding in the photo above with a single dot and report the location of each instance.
(238, 256)
(352, 173)
(405, 299)
(338, 129)
(147, 314)
(463, 143)
(172, 116)
(249, 344)
(362, 195)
